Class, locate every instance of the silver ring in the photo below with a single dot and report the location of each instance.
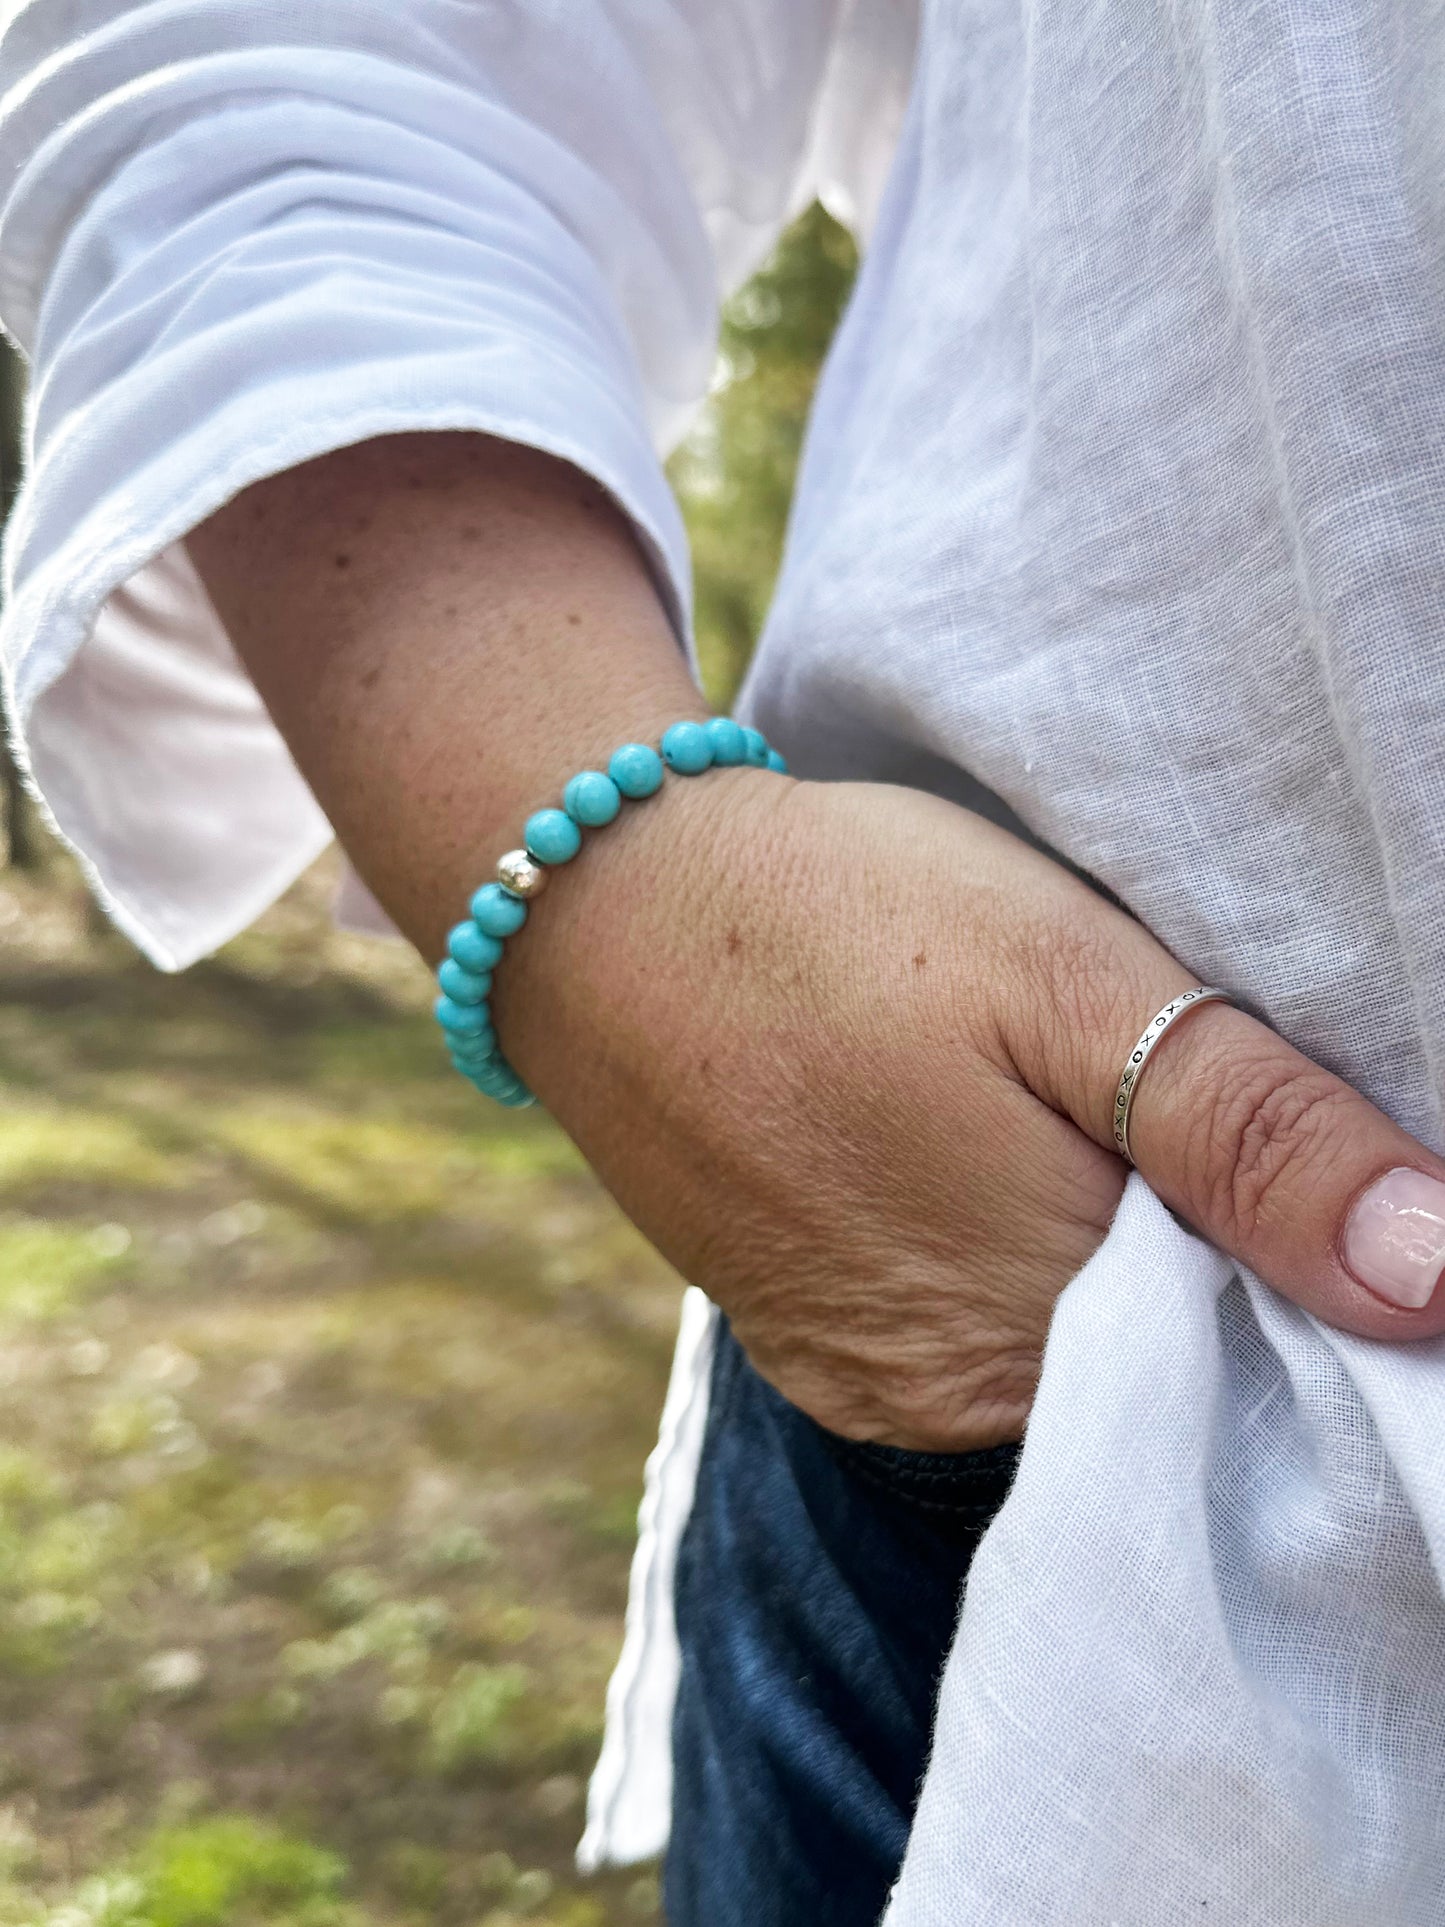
(1154, 1030)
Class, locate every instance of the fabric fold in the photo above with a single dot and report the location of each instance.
(1200, 1669)
(234, 238)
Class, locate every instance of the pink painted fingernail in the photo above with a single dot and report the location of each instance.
(1395, 1237)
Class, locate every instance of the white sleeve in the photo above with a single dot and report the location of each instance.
(237, 233)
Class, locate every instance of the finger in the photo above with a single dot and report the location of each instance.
(1270, 1157)
(1294, 1173)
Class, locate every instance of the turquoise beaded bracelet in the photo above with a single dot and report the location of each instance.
(589, 802)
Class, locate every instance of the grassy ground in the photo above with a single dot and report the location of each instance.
(326, 1390)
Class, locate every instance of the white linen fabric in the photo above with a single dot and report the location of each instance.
(1123, 500)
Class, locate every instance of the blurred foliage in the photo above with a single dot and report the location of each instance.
(327, 1394)
(19, 841)
(211, 1874)
(12, 393)
(734, 473)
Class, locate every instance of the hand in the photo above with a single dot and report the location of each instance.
(847, 1054)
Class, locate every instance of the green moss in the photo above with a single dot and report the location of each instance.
(217, 1872)
(134, 1422)
(350, 1593)
(258, 1720)
(573, 1910)
(404, 1052)
(366, 1168)
(40, 1145)
(56, 1572)
(399, 1633)
(71, 1548)
(48, 1268)
(28, 1483)
(472, 1724)
(565, 1910)
(455, 1548)
(108, 1900)
(610, 1518)
(415, 1873)
(225, 1872)
(534, 1147)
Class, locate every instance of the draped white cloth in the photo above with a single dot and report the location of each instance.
(1124, 498)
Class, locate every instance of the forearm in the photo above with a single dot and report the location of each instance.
(444, 627)
(844, 1052)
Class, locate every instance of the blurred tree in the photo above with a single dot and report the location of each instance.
(734, 473)
(17, 819)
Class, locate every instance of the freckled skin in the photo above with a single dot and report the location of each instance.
(899, 1147)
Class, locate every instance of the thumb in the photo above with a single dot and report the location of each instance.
(1288, 1169)
(1269, 1156)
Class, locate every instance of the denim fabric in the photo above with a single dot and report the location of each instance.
(818, 1588)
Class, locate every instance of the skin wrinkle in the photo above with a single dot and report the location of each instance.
(884, 1173)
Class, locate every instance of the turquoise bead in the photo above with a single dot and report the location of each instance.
(474, 1044)
(687, 748)
(462, 1020)
(755, 748)
(591, 799)
(464, 986)
(551, 836)
(777, 762)
(636, 769)
(509, 1089)
(729, 745)
(473, 949)
(471, 1063)
(496, 1072)
(497, 912)
(499, 1081)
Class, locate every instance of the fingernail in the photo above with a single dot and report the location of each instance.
(1394, 1239)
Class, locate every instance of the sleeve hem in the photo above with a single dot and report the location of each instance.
(128, 609)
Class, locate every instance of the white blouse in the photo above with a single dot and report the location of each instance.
(1122, 516)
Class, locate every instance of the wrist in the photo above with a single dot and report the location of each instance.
(605, 969)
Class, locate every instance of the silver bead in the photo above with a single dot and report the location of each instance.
(521, 874)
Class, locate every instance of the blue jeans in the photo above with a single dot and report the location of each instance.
(818, 1587)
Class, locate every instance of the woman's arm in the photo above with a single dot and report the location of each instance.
(845, 1053)
(444, 626)
(230, 251)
